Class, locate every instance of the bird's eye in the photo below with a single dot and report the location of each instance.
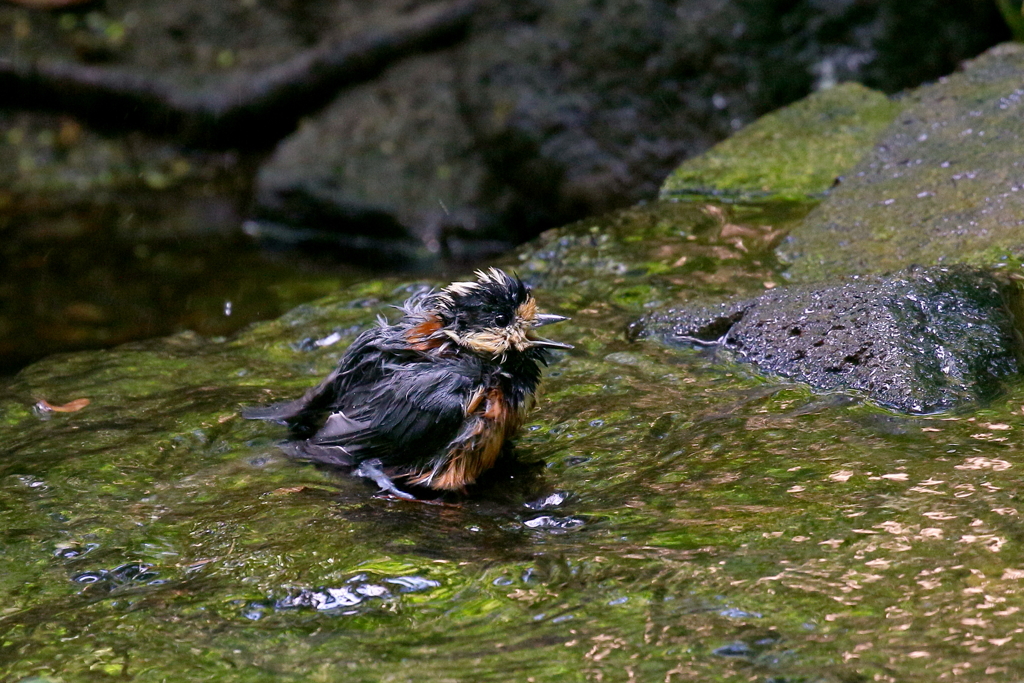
(501, 319)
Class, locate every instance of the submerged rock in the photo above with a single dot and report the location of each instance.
(922, 340)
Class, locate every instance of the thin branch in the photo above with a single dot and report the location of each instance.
(249, 111)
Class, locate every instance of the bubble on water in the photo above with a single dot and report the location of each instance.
(551, 500)
(554, 524)
(410, 584)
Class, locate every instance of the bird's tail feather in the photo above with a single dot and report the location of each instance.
(277, 412)
(333, 456)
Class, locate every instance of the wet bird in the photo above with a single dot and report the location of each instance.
(432, 399)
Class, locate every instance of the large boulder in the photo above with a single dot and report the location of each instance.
(938, 183)
(944, 183)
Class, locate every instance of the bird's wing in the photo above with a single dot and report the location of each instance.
(406, 417)
(361, 361)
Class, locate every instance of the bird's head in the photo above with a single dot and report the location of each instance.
(494, 316)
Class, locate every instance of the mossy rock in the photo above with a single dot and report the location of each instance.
(944, 183)
(796, 152)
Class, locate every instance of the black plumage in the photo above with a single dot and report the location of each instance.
(431, 399)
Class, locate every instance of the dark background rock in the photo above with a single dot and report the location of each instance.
(919, 341)
(552, 111)
(393, 134)
(374, 155)
(544, 111)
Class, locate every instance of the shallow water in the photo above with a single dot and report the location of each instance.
(97, 291)
(672, 517)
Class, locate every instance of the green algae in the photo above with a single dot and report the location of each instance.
(796, 152)
(716, 526)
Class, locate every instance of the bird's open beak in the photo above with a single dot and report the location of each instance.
(542, 319)
(548, 344)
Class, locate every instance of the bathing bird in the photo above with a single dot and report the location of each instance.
(431, 400)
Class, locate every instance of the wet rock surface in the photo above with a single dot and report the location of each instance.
(667, 516)
(665, 513)
(943, 184)
(921, 341)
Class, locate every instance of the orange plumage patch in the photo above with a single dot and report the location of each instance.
(477, 453)
(419, 336)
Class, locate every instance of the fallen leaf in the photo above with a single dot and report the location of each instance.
(892, 527)
(981, 463)
(284, 490)
(69, 407)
